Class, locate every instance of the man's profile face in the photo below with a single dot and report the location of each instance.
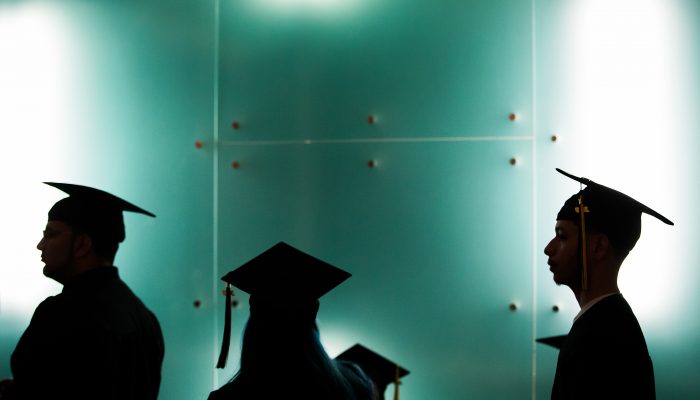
(562, 252)
(56, 247)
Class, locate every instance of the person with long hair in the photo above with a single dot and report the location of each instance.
(281, 353)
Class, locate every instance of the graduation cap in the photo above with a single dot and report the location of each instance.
(554, 341)
(380, 370)
(607, 211)
(96, 212)
(280, 277)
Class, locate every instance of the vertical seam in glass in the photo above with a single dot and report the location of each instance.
(533, 51)
(215, 186)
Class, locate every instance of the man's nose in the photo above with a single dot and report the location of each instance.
(548, 249)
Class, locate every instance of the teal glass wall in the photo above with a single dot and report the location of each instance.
(420, 70)
(410, 143)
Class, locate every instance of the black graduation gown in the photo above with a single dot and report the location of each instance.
(94, 340)
(284, 387)
(605, 356)
(296, 385)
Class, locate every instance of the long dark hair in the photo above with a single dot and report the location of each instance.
(281, 352)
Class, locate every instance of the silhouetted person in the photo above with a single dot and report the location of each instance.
(604, 355)
(96, 339)
(281, 354)
(380, 370)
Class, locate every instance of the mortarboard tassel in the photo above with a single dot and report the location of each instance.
(582, 209)
(397, 382)
(226, 340)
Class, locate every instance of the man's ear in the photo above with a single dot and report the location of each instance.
(599, 245)
(82, 244)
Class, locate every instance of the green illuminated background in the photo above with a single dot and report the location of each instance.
(411, 143)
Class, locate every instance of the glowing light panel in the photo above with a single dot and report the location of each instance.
(627, 98)
(35, 79)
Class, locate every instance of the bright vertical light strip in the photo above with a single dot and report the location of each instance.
(533, 144)
(34, 109)
(623, 68)
(625, 95)
(216, 282)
